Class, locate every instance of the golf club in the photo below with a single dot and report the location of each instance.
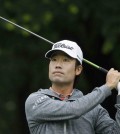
(86, 61)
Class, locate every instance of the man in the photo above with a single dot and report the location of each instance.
(62, 109)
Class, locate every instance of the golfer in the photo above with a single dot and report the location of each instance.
(62, 109)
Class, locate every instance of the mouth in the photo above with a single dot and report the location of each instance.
(58, 72)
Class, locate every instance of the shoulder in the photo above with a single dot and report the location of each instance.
(36, 96)
(78, 92)
(39, 92)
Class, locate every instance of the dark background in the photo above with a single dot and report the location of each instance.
(94, 25)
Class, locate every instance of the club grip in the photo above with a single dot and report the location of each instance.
(106, 71)
(103, 70)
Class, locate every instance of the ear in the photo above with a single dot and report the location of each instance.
(78, 70)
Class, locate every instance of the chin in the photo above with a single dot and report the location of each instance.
(60, 82)
(57, 80)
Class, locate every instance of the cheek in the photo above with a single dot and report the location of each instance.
(71, 71)
(51, 68)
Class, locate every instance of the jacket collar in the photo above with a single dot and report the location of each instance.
(76, 94)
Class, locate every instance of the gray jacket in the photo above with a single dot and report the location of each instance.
(80, 114)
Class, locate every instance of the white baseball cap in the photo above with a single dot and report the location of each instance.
(69, 47)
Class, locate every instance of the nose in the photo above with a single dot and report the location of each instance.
(58, 64)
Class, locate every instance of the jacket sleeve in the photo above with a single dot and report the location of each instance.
(106, 125)
(40, 107)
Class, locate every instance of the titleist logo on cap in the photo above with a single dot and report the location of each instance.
(58, 45)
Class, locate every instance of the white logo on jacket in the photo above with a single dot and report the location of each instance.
(39, 100)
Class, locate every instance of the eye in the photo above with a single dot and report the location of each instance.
(66, 60)
(53, 59)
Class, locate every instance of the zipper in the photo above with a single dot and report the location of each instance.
(65, 132)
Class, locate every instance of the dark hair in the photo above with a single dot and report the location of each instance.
(78, 76)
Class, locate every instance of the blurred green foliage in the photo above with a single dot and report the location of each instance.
(94, 25)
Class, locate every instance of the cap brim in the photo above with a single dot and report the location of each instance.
(51, 52)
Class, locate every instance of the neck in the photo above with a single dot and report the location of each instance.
(62, 89)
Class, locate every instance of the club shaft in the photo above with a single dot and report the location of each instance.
(96, 66)
(86, 61)
(26, 30)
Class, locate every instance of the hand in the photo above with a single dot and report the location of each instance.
(112, 78)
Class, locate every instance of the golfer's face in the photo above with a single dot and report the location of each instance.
(62, 68)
